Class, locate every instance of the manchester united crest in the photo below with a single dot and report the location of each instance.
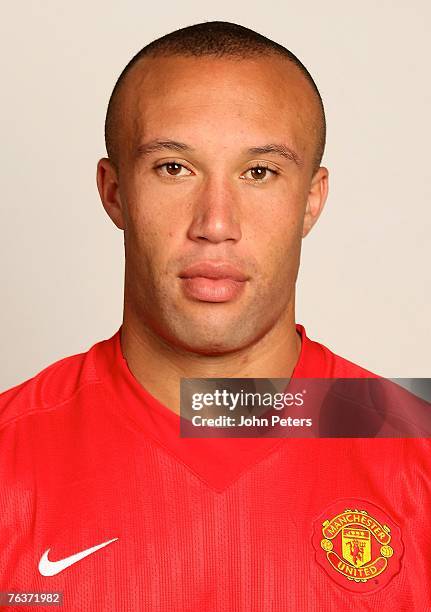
(358, 545)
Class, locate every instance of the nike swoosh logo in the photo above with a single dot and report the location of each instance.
(51, 568)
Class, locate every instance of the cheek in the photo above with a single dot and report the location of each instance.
(154, 240)
(275, 242)
(148, 221)
(281, 203)
(153, 209)
(276, 224)
(280, 252)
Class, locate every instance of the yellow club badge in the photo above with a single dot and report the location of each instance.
(358, 545)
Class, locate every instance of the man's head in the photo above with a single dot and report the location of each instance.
(210, 39)
(214, 135)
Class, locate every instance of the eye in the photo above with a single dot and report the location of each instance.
(259, 173)
(172, 169)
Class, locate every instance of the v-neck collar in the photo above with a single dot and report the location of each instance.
(216, 461)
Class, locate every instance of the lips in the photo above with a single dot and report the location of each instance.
(214, 270)
(207, 281)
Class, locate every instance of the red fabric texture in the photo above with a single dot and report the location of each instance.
(88, 455)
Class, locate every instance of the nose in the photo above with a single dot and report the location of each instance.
(216, 211)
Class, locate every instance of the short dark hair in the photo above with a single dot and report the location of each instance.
(210, 38)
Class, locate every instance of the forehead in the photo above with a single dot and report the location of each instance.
(229, 97)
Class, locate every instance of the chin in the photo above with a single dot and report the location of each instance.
(218, 342)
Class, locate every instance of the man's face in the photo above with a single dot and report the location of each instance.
(208, 201)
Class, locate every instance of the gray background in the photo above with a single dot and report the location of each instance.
(364, 282)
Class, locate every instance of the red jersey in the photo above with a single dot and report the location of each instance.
(103, 501)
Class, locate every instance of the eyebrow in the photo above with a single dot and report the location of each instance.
(277, 149)
(159, 145)
(173, 145)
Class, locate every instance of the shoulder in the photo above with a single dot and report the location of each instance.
(317, 360)
(344, 368)
(50, 388)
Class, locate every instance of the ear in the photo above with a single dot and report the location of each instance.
(316, 199)
(107, 184)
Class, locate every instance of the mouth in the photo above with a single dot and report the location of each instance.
(212, 289)
(213, 281)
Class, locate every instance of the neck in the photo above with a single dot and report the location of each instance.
(158, 366)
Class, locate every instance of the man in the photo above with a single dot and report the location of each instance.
(214, 136)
